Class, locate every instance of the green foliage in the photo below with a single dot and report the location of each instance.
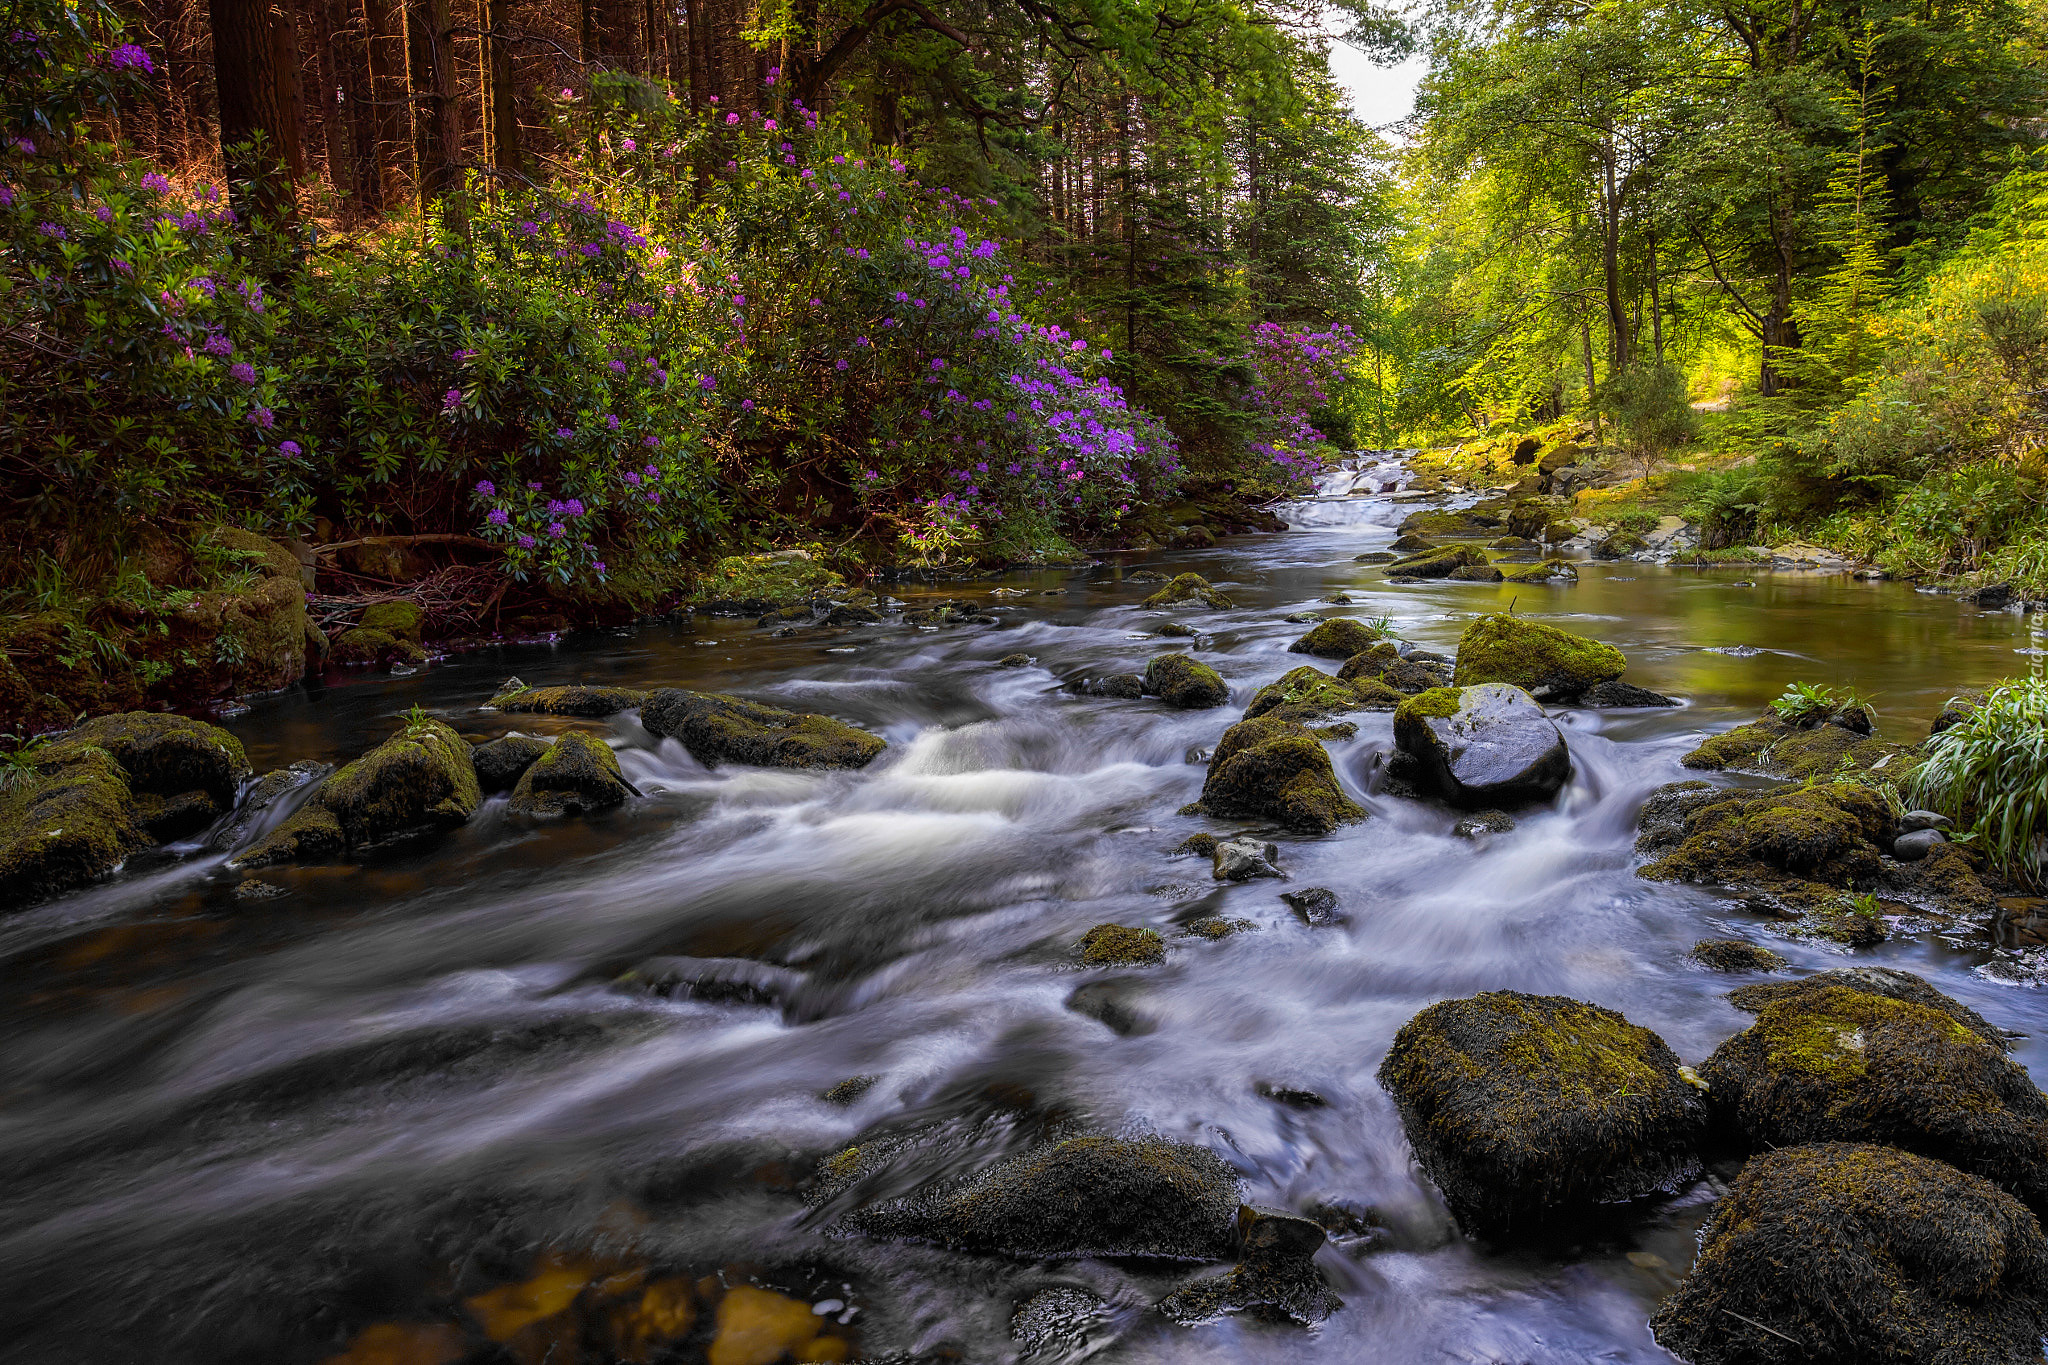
(1806, 703)
(18, 770)
(1650, 410)
(1989, 774)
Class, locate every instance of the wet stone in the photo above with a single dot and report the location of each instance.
(1315, 906)
(1911, 848)
(1734, 955)
(1484, 823)
(850, 1089)
(1483, 746)
(1293, 1096)
(1237, 860)
(1122, 945)
(1108, 1003)
(1014, 661)
(1063, 1324)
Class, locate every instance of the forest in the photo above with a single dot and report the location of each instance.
(536, 310)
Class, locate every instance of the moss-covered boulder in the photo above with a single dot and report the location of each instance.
(1803, 845)
(1889, 982)
(716, 729)
(1549, 571)
(1770, 747)
(402, 619)
(1522, 1106)
(568, 701)
(1307, 694)
(1481, 747)
(1471, 523)
(749, 585)
(1112, 945)
(1846, 1254)
(578, 775)
(1340, 637)
(502, 762)
(1186, 588)
(1620, 545)
(1839, 1064)
(421, 779)
(1086, 1196)
(83, 804)
(1735, 955)
(1441, 563)
(1547, 663)
(1184, 682)
(1275, 770)
(362, 645)
(1384, 664)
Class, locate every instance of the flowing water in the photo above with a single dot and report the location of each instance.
(243, 1130)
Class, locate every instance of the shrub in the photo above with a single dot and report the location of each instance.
(1989, 774)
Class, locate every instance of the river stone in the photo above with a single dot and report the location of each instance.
(1549, 571)
(1547, 663)
(1307, 693)
(1185, 683)
(1486, 822)
(1276, 1275)
(1122, 945)
(1123, 686)
(1375, 557)
(719, 980)
(1911, 848)
(1438, 563)
(569, 701)
(1189, 587)
(578, 775)
(1275, 770)
(1803, 845)
(1475, 573)
(1913, 821)
(717, 728)
(1735, 955)
(500, 763)
(1890, 982)
(259, 799)
(109, 789)
(1837, 1064)
(1109, 1003)
(421, 779)
(1240, 860)
(1384, 663)
(1480, 747)
(1624, 695)
(361, 645)
(1337, 638)
(1085, 1196)
(1063, 1324)
(1845, 1254)
(1315, 906)
(1519, 1106)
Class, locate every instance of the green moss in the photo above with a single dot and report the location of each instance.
(420, 779)
(1304, 694)
(1772, 748)
(1438, 703)
(1182, 681)
(359, 645)
(1734, 955)
(716, 728)
(570, 701)
(1340, 637)
(1121, 945)
(1441, 563)
(1189, 587)
(1215, 927)
(1809, 842)
(403, 620)
(1541, 573)
(1541, 660)
(578, 775)
(1275, 769)
(1585, 1051)
(1381, 671)
(752, 584)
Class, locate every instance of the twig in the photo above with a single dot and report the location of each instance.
(1761, 1328)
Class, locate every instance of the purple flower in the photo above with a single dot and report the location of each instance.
(839, 364)
(118, 264)
(156, 184)
(746, 405)
(654, 498)
(611, 421)
(263, 417)
(485, 488)
(52, 231)
(526, 542)
(498, 517)
(632, 476)
(731, 119)
(564, 433)
(556, 530)
(218, 344)
(289, 449)
(243, 371)
(618, 367)
(129, 57)
(451, 400)
(629, 145)
(103, 213)
(599, 566)
(652, 443)
(707, 382)
(574, 507)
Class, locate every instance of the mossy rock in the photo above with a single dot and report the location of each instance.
(1735, 955)
(401, 619)
(1806, 843)
(1522, 1106)
(360, 645)
(1475, 573)
(1383, 664)
(1772, 748)
(1303, 695)
(1842, 920)
(1620, 545)
(109, 789)
(1549, 571)
(749, 585)
(1407, 545)
(501, 763)
(1837, 1064)
(1340, 637)
(1469, 524)
(1184, 682)
(1849, 1254)
(716, 729)
(421, 779)
(1438, 563)
(1890, 982)
(1189, 587)
(1955, 711)
(1547, 663)
(1276, 770)
(570, 701)
(1112, 945)
(578, 775)
(1482, 747)
(1082, 1197)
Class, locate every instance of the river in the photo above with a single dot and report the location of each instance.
(243, 1130)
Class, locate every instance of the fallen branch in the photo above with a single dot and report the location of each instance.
(427, 538)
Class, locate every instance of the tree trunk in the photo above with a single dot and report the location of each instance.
(256, 74)
(336, 126)
(1618, 345)
(436, 115)
(498, 76)
(385, 113)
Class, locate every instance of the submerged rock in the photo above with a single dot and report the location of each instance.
(720, 980)
(1486, 822)
(578, 775)
(1122, 945)
(1841, 1064)
(1547, 663)
(1624, 695)
(1735, 955)
(1189, 587)
(1480, 747)
(110, 788)
(1549, 571)
(1438, 563)
(1889, 982)
(420, 779)
(569, 701)
(1063, 1324)
(1185, 683)
(1844, 1254)
(1275, 770)
(1276, 1274)
(361, 645)
(1122, 686)
(1315, 906)
(501, 763)
(716, 729)
(1085, 1196)
(1519, 1106)
(1340, 637)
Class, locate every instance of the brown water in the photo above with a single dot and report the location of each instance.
(240, 1130)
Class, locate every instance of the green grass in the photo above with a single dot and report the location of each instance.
(1804, 703)
(1989, 774)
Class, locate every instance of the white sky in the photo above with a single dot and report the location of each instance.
(1379, 95)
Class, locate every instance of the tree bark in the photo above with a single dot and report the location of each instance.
(498, 74)
(256, 75)
(436, 114)
(385, 118)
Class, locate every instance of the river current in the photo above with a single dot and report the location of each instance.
(243, 1129)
